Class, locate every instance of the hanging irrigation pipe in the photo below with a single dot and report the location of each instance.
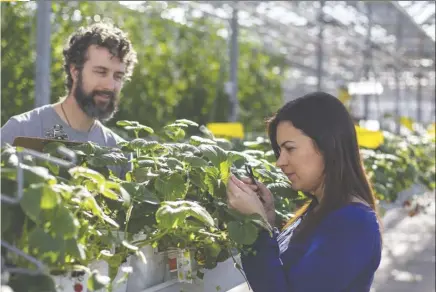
(42, 156)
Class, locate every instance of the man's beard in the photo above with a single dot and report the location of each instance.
(92, 109)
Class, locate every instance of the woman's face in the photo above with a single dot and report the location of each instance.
(299, 159)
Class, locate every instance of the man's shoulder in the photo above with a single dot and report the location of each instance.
(33, 114)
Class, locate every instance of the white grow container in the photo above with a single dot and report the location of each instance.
(69, 284)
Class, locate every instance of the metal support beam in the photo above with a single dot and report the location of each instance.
(367, 60)
(433, 112)
(405, 14)
(320, 44)
(42, 78)
(234, 53)
(398, 44)
(419, 87)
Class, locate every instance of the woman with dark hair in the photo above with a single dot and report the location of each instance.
(333, 243)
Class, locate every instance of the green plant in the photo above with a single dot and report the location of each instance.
(175, 195)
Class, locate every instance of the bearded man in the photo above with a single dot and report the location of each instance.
(97, 60)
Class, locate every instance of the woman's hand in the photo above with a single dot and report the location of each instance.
(243, 198)
(267, 199)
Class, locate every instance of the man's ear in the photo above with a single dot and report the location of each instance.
(74, 72)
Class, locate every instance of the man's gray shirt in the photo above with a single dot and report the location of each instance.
(37, 122)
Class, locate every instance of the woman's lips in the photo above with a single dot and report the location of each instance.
(290, 175)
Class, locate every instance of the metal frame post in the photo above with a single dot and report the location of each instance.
(43, 50)
(419, 77)
(234, 54)
(367, 59)
(398, 43)
(320, 46)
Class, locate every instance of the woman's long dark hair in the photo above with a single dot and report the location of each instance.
(324, 119)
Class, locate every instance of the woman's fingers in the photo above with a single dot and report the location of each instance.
(232, 188)
(241, 185)
(247, 181)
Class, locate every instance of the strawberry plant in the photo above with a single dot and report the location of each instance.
(400, 162)
(174, 195)
(58, 219)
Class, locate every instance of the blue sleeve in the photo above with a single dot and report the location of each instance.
(338, 252)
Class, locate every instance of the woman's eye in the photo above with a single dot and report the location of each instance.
(289, 149)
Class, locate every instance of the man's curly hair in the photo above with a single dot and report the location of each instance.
(103, 35)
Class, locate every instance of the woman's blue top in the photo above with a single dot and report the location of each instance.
(341, 255)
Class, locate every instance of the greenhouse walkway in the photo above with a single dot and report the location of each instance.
(408, 263)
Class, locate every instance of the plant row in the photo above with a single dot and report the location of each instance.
(58, 219)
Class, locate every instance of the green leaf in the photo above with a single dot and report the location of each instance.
(177, 125)
(224, 143)
(196, 140)
(150, 163)
(174, 133)
(183, 147)
(225, 171)
(110, 221)
(52, 148)
(129, 246)
(108, 159)
(195, 162)
(50, 199)
(31, 201)
(173, 162)
(242, 233)
(75, 249)
(80, 171)
(32, 283)
(134, 126)
(172, 187)
(124, 123)
(173, 214)
(64, 224)
(144, 145)
(108, 193)
(43, 242)
(97, 281)
(89, 203)
(214, 249)
(214, 153)
(7, 218)
(236, 156)
(139, 192)
(211, 180)
(37, 174)
(88, 148)
(125, 196)
(197, 178)
(187, 122)
(260, 221)
(281, 189)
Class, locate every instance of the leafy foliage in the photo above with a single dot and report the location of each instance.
(177, 75)
(174, 194)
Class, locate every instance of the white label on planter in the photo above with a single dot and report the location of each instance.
(184, 267)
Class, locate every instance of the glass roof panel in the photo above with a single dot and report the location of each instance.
(422, 12)
(291, 28)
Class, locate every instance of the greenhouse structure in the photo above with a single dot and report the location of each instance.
(209, 73)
